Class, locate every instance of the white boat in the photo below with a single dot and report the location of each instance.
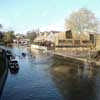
(38, 47)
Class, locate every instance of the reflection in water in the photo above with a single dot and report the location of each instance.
(33, 81)
(3, 74)
(14, 72)
(2, 83)
(76, 83)
(40, 57)
(40, 79)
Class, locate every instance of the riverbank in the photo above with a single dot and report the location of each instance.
(73, 59)
(3, 68)
(3, 80)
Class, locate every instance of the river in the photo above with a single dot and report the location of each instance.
(41, 77)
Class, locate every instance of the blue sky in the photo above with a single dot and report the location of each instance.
(24, 15)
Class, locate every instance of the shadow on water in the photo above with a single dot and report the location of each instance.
(76, 83)
(14, 72)
(70, 81)
(3, 74)
(2, 82)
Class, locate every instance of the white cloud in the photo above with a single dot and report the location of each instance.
(52, 28)
(6, 24)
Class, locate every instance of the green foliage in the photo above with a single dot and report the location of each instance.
(8, 37)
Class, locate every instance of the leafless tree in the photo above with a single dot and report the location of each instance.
(81, 21)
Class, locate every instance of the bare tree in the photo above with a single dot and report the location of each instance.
(81, 21)
(32, 35)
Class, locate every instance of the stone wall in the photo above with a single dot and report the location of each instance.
(98, 42)
(69, 61)
(3, 68)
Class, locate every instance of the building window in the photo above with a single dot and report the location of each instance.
(62, 41)
(92, 38)
(77, 42)
(68, 34)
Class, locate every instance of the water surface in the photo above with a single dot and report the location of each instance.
(41, 77)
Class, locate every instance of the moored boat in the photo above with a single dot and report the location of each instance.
(13, 64)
